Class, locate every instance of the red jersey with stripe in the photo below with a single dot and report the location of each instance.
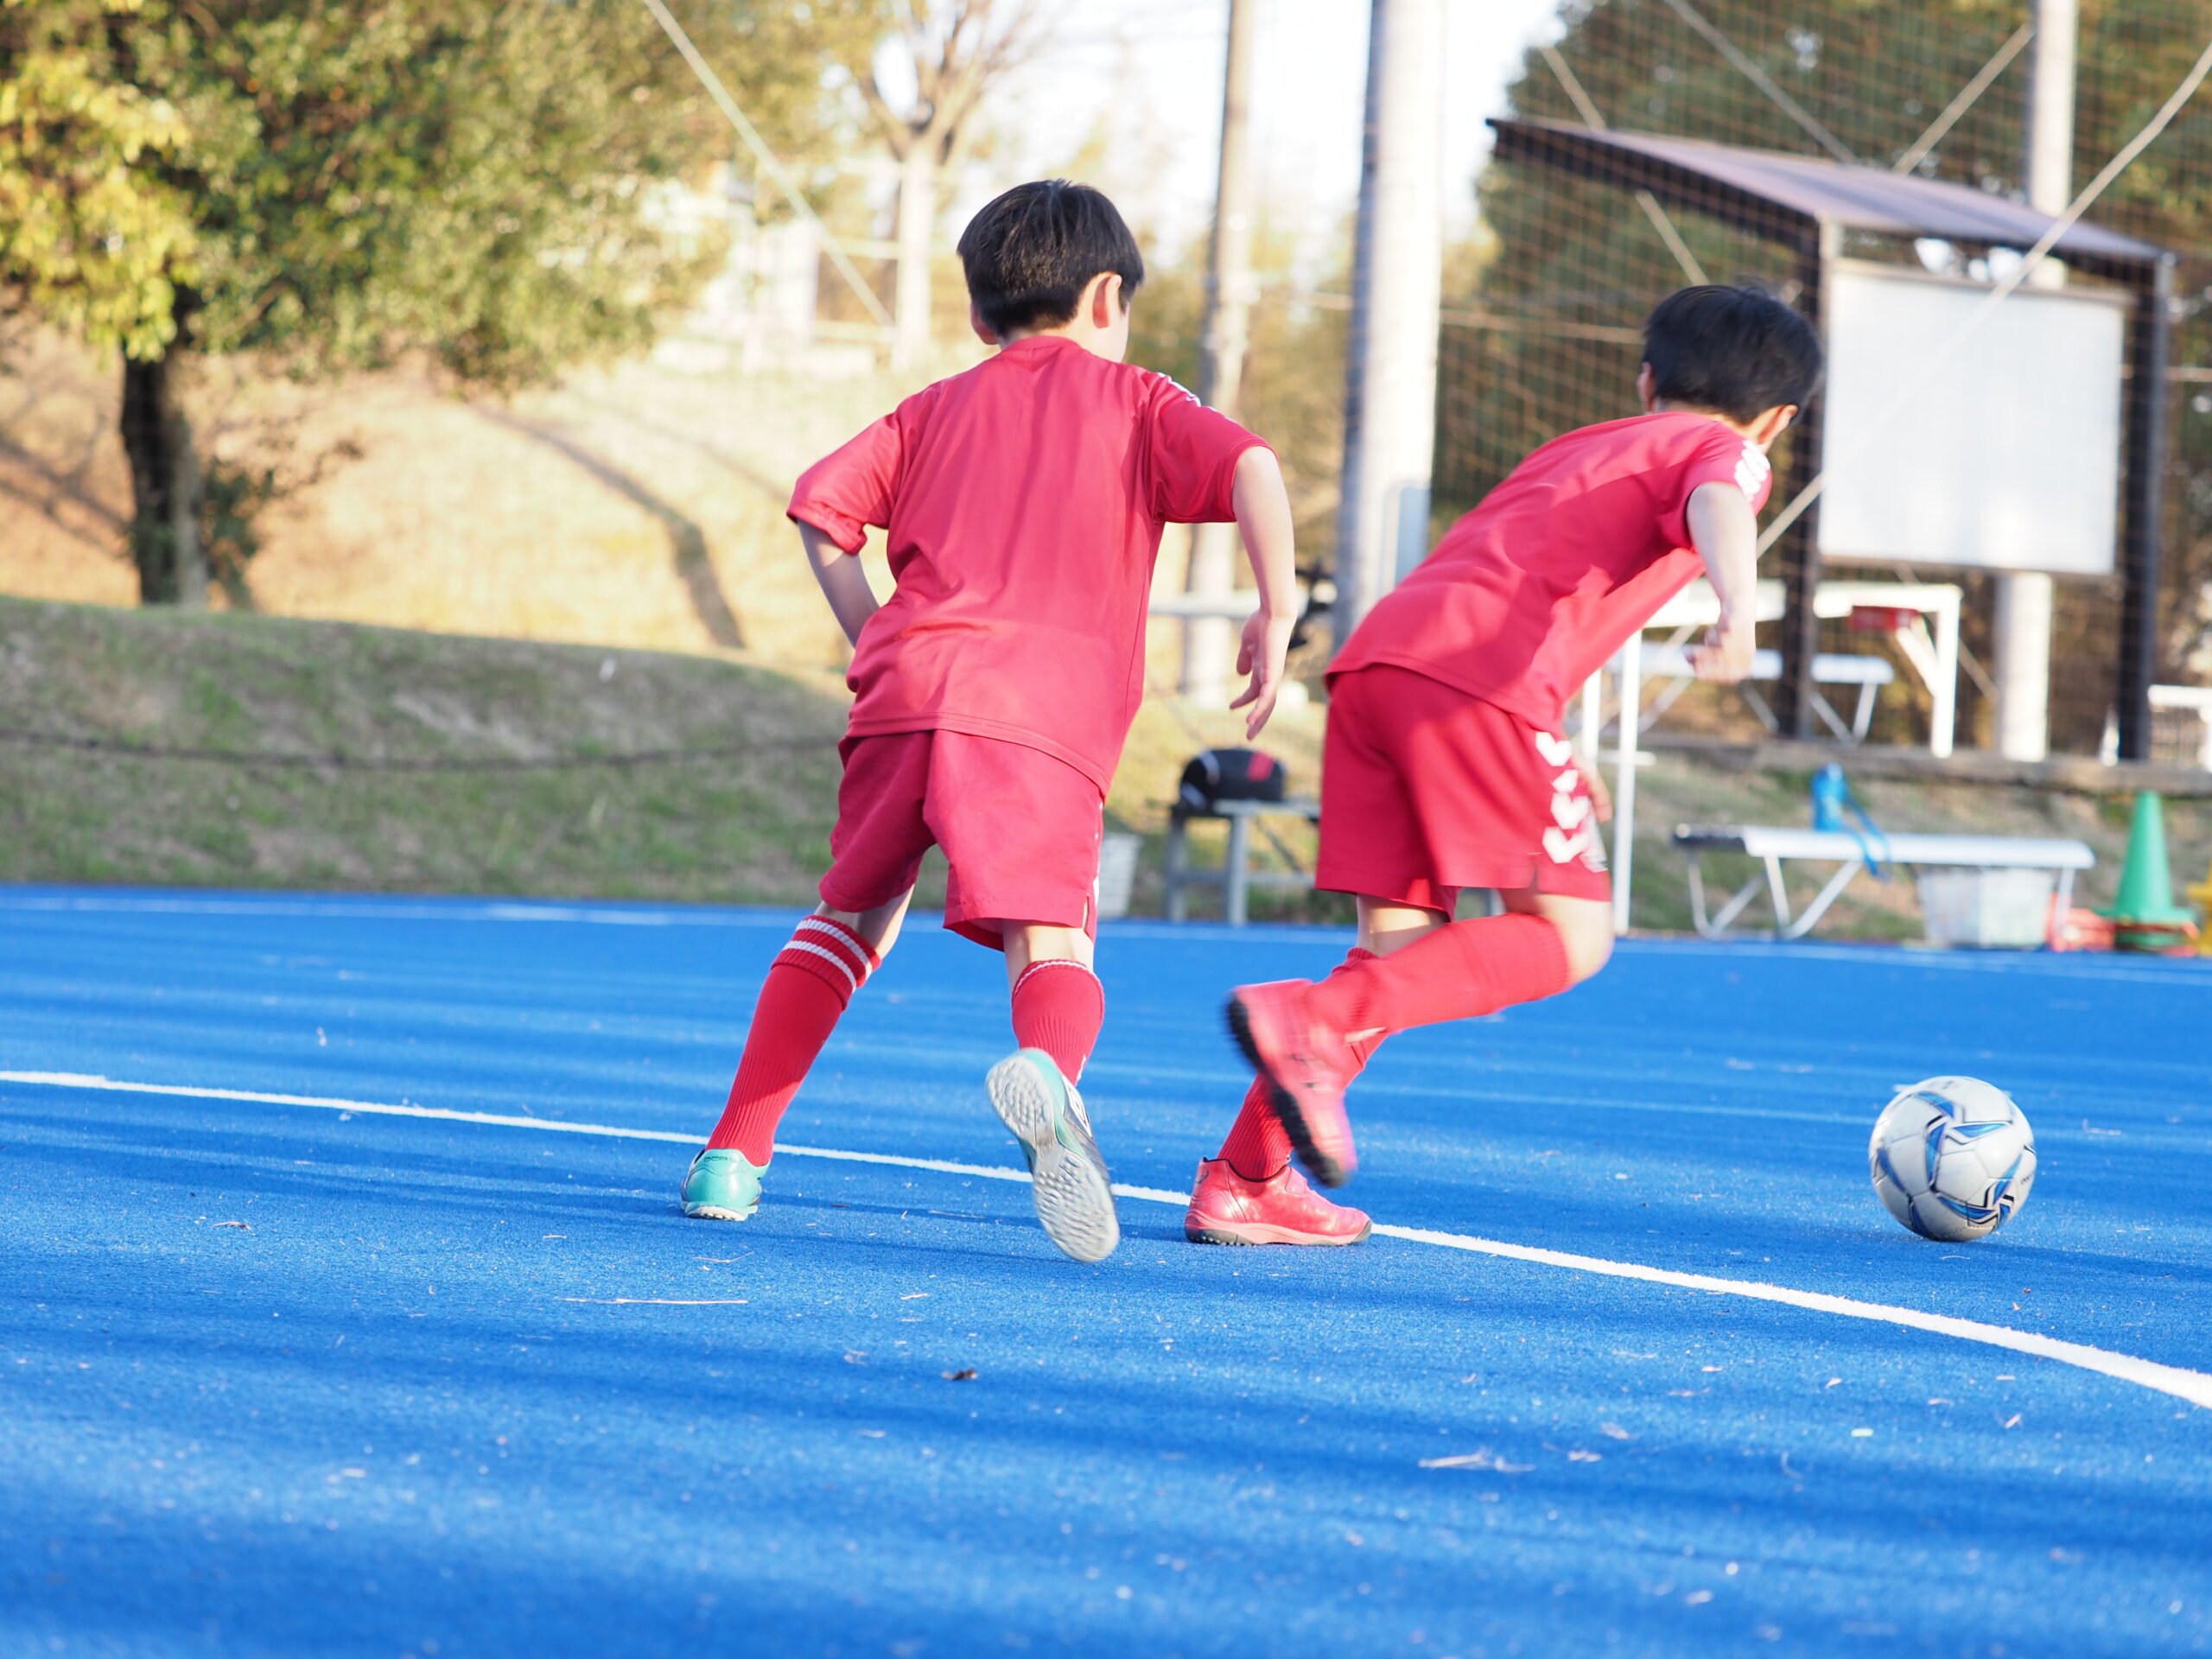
(1022, 503)
(1531, 592)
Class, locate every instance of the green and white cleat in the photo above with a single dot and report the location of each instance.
(1068, 1177)
(723, 1186)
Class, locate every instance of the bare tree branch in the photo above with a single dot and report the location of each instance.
(958, 49)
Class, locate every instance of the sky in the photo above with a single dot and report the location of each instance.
(1139, 85)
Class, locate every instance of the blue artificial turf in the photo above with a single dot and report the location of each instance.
(454, 1388)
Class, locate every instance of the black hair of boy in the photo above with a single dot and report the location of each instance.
(1030, 253)
(1733, 351)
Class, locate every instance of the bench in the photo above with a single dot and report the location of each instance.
(1904, 610)
(1773, 847)
(1869, 674)
(1235, 878)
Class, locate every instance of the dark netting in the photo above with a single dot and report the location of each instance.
(1540, 333)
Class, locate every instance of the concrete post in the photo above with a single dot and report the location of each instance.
(1396, 290)
(2024, 598)
(1210, 643)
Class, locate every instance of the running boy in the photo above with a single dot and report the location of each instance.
(993, 690)
(1444, 767)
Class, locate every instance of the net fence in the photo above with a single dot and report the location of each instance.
(1542, 321)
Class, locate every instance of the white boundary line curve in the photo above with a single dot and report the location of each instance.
(2196, 1387)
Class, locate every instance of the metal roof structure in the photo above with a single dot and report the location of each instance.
(1806, 204)
(1772, 193)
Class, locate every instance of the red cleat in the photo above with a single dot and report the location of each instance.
(1226, 1209)
(1307, 1065)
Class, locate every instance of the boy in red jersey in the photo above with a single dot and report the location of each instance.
(1444, 769)
(993, 690)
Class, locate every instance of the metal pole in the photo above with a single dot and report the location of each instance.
(2024, 598)
(1209, 643)
(1800, 546)
(2147, 452)
(1225, 334)
(1396, 291)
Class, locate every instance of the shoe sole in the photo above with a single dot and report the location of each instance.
(1075, 1200)
(717, 1212)
(1263, 1233)
(1322, 1167)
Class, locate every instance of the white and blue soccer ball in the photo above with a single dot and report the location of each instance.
(1952, 1158)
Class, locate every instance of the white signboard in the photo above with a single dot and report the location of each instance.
(2008, 459)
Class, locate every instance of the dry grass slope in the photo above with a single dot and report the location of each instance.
(745, 817)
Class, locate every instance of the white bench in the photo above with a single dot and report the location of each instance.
(1773, 847)
(1869, 674)
(1933, 657)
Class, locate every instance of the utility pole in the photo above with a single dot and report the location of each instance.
(2025, 598)
(1210, 642)
(1396, 290)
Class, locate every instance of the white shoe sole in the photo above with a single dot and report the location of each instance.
(1074, 1200)
(715, 1212)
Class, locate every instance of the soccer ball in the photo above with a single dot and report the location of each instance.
(1952, 1158)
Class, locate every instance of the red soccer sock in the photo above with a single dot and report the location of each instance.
(1462, 971)
(1257, 1147)
(1058, 1006)
(809, 985)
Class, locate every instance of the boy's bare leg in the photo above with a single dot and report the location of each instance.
(1386, 925)
(879, 926)
(1586, 926)
(1058, 1009)
(1027, 943)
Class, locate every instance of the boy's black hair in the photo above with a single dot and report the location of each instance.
(1029, 254)
(1735, 351)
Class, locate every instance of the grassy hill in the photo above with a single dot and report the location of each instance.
(242, 750)
(376, 758)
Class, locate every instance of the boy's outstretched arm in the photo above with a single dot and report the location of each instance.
(1726, 533)
(1262, 508)
(845, 584)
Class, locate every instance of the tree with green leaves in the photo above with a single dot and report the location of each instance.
(491, 186)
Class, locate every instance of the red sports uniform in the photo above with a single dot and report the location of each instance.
(1444, 767)
(1023, 502)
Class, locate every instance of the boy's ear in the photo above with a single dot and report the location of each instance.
(1772, 423)
(984, 332)
(1106, 304)
(1647, 387)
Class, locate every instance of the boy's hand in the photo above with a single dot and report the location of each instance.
(1601, 798)
(1260, 654)
(1725, 656)
(1263, 520)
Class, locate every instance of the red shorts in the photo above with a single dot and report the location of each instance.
(1019, 829)
(1426, 791)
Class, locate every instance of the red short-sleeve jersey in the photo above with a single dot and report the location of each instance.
(1022, 503)
(1530, 593)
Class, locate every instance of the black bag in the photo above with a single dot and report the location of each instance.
(1221, 775)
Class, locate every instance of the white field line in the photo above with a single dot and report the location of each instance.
(2196, 1387)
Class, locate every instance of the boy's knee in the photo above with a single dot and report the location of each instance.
(1587, 951)
(1586, 932)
